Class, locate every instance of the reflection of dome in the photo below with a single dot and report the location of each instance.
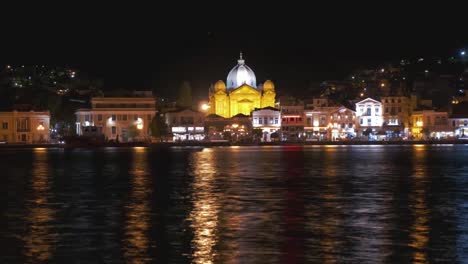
(268, 86)
(241, 74)
(220, 86)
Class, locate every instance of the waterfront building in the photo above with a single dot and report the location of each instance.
(396, 115)
(118, 118)
(459, 120)
(186, 124)
(329, 123)
(369, 119)
(24, 126)
(240, 94)
(292, 121)
(268, 119)
(427, 124)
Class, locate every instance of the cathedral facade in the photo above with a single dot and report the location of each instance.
(240, 94)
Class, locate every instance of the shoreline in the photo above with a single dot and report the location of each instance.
(227, 144)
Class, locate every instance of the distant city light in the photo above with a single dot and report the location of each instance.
(382, 85)
(362, 94)
(426, 71)
(382, 70)
(352, 77)
(40, 127)
(462, 53)
(421, 59)
(205, 107)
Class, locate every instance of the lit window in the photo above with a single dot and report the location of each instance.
(5, 125)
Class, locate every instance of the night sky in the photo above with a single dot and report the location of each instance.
(158, 49)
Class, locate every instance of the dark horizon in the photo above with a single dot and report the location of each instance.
(159, 54)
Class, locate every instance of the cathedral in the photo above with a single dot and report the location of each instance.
(240, 94)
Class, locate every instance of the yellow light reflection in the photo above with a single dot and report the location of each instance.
(138, 210)
(40, 239)
(419, 231)
(204, 216)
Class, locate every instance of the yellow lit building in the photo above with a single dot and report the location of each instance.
(24, 127)
(240, 94)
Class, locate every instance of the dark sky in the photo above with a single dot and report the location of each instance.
(293, 46)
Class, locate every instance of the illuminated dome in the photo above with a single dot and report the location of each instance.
(220, 86)
(268, 86)
(241, 74)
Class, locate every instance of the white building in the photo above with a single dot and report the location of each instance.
(369, 117)
(267, 119)
(24, 127)
(186, 124)
(118, 118)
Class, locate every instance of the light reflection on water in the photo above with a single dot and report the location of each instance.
(319, 204)
(40, 236)
(136, 244)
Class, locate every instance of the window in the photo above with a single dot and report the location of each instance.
(309, 121)
(283, 119)
(99, 117)
(255, 120)
(369, 121)
(135, 117)
(386, 100)
(148, 117)
(369, 111)
(124, 117)
(119, 117)
(113, 117)
(376, 110)
(453, 123)
(86, 118)
(386, 109)
(399, 100)
(276, 120)
(114, 130)
(465, 123)
(265, 120)
(360, 121)
(350, 125)
(5, 125)
(393, 100)
(260, 120)
(174, 120)
(343, 125)
(300, 119)
(291, 119)
(399, 109)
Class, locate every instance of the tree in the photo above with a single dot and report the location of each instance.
(133, 132)
(257, 133)
(274, 136)
(184, 98)
(159, 128)
(367, 132)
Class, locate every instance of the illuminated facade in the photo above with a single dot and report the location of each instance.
(430, 124)
(186, 124)
(369, 116)
(329, 123)
(267, 119)
(240, 95)
(24, 127)
(122, 118)
(396, 114)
